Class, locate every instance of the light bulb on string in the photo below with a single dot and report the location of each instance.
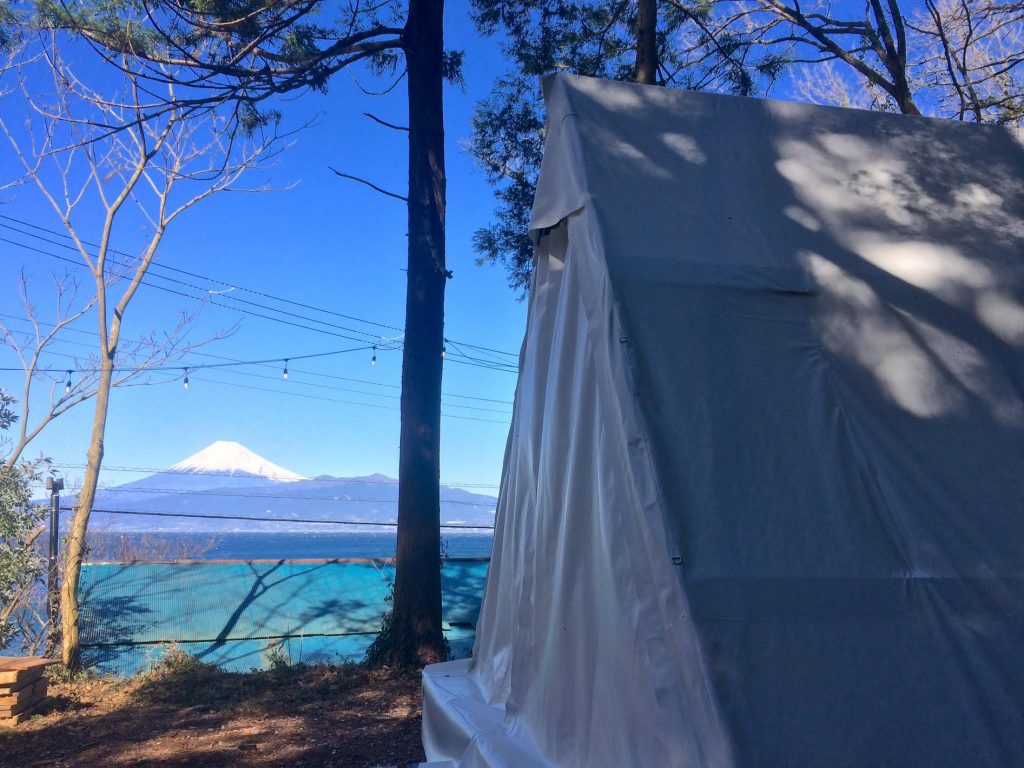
(67, 386)
(286, 367)
(185, 383)
(373, 360)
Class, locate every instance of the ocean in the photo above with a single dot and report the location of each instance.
(163, 546)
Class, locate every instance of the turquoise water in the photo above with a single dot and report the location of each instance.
(278, 546)
(241, 615)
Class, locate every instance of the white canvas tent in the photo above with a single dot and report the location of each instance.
(763, 498)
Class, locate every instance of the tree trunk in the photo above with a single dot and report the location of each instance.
(647, 42)
(415, 628)
(71, 652)
(904, 98)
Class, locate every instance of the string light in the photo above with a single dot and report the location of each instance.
(186, 379)
(67, 387)
(286, 368)
(373, 360)
(230, 363)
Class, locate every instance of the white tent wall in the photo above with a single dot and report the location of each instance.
(583, 625)
(785, 346)
(829, 346)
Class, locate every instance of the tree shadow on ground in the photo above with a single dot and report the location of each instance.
(185, 713)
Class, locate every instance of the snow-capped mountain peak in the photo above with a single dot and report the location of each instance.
(225, 456)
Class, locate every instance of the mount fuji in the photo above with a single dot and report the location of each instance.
(227, 480)
(226, 457)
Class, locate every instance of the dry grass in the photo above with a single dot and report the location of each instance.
(185, 713)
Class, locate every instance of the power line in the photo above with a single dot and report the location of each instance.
(155, 265)
(271, 519)
(206, 299)
(229, 286)
(384, 344)
(491, 359)
(279, 496)
(476, 363)
(331, 388)
(485, 349)
(159, 265)
(336, 400)
(360, 480)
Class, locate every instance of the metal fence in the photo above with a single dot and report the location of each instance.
(242, 615)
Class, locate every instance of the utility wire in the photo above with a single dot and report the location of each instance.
(227, 285)
(210, 301)
(359, 480)
(280, 496)
(270, 519)
(383, 344)
(337, 400)
(185, 284)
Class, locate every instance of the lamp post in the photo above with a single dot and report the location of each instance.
(54, 485)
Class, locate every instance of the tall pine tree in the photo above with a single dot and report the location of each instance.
(246, 52)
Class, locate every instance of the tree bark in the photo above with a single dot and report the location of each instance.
(71, 652)
(416, 636)
(647, 42)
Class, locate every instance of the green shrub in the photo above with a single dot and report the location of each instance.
(20, 562)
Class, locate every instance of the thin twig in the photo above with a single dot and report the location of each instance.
(371, 185)
(385, 123)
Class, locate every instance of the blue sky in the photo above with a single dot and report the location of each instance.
(328, 243)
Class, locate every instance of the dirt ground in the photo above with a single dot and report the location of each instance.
(188, 714)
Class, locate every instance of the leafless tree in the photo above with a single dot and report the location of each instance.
(32, 339)
(949, 58)
(102, 163)
(969, 56)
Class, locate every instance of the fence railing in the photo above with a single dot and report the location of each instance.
(242, 615)
(148, 591)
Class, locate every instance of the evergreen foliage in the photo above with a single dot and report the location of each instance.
(20, 563)
(958, 59)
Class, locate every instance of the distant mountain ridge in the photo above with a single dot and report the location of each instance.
(226, 479)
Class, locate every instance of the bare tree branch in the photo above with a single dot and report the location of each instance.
(385, 123)
(371, 185)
